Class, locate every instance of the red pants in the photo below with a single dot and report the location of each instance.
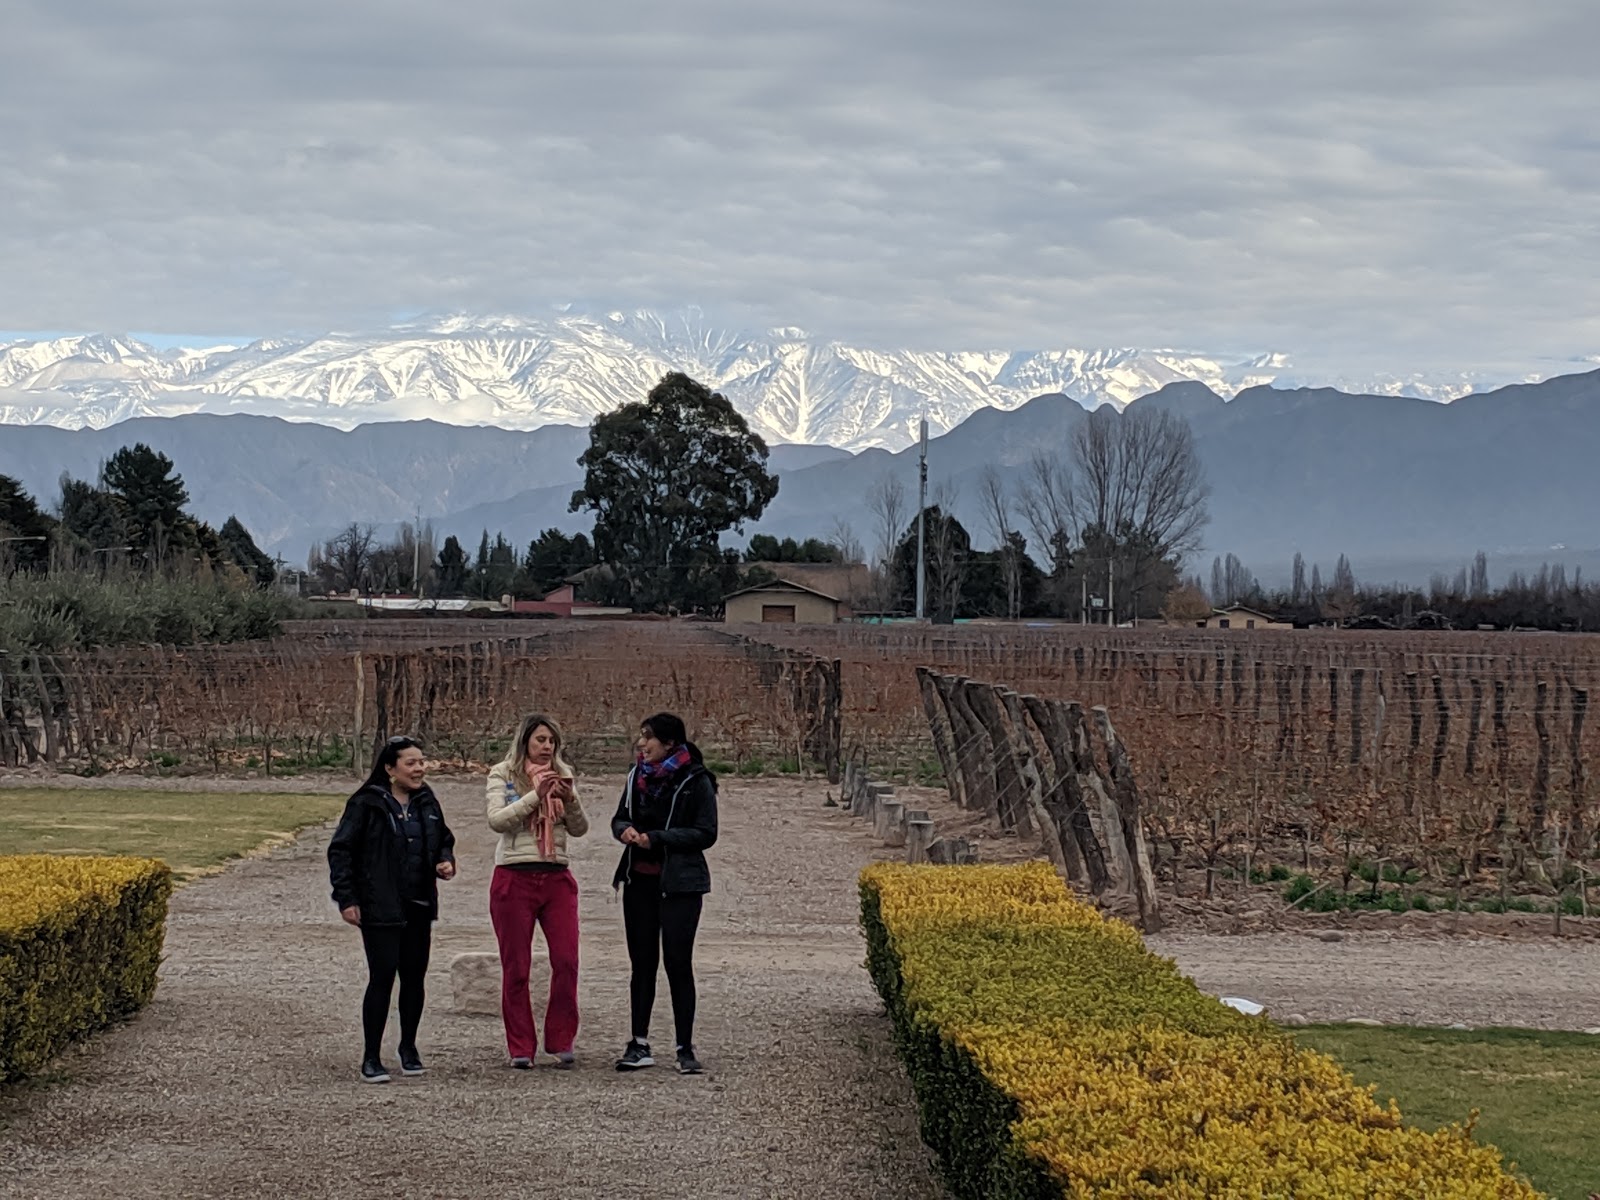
(516, 900)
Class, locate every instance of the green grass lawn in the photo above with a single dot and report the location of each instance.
(1538, 1094)
(192, 832)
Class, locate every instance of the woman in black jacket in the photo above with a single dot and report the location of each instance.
(667, 819)
(385, 860)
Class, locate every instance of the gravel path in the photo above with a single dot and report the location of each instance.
(1396, 978)
(240, 1079)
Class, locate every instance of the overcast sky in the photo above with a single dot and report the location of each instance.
(1360, 182)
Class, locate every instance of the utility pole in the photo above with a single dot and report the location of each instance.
(922, 536)
(1111, 593)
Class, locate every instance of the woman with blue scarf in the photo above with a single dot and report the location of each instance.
(666, 820)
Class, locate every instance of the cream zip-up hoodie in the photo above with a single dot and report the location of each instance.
(518, 843)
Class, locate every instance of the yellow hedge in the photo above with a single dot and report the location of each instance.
(1053, 1055)
(80, 942)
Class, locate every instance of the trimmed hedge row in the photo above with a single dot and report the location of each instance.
(1053, 1055)
(80, 941)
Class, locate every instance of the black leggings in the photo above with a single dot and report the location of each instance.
(395, 950)
(660, 928)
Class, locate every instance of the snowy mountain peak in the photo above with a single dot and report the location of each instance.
(524, 372)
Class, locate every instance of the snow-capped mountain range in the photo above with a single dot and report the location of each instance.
(520, 373)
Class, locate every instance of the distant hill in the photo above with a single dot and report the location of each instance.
(1403, 486)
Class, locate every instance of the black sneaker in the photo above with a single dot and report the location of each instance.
(410, 1061)
(635, 1057)
(521, 1063)
(688, 1064)
(373, 1071)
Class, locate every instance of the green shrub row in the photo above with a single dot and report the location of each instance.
(80, 942)
(1054, 1056)
(74, 610)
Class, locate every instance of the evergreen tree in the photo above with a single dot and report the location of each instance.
(25, 530)
(240, 549)
(947, 560)
(452, 568)
(92, 516)
(551, 558)
(665, 478)
(151, 496)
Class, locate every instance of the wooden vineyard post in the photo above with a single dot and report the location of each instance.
(919, 836)
(361, 705)
(1575, 786)
(46, 713)
(835, 720)
(1128, 806)
(1101, 810)
(890, 825)
(1028, 772)
(975, 789)
(943, 744)
(1084, 864)
(983, 785)
(981, 700)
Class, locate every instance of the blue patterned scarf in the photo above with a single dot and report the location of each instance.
(651, 779)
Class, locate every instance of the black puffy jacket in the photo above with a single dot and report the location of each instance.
(689, 830)
(367, 856)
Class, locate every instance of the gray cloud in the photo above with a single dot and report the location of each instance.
(1359, 183)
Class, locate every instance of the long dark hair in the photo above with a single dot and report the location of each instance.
(388, 754)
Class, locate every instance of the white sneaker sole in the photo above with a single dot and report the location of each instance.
(637, 1065)
(409, 1071)
(374, 1079)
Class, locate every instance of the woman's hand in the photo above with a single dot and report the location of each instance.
(632, 837)
(351, 915)
(445, 870)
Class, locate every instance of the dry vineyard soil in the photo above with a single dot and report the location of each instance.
(241, 1078)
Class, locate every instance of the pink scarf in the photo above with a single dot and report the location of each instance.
(540, 823)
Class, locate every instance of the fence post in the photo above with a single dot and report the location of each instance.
(361, 705)
(890, 825)
(919, 836)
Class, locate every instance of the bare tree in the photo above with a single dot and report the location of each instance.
(1340, 602)
(1138, 488)
(947, 550)
(886, 500)
(1044, 495)
(843, 538)
(997, 514)
(347, 559)
(1479, 584)
(1045, 498)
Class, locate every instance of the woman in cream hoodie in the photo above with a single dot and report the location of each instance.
(533, 806)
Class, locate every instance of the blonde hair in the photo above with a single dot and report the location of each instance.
(517, 755)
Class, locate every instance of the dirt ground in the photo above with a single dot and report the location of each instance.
(241, 1077)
